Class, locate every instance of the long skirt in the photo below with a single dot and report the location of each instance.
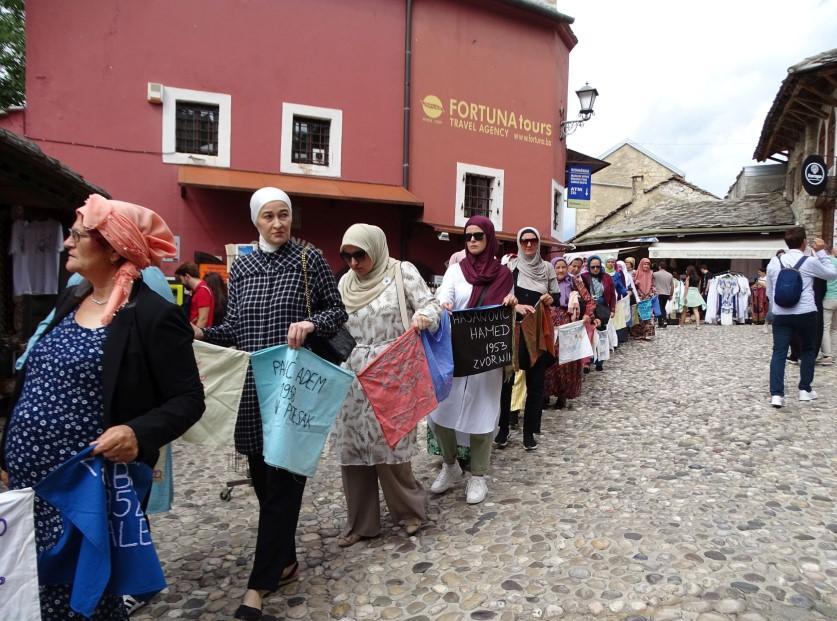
(564, 380)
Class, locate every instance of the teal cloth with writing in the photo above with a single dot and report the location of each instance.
(299, 395)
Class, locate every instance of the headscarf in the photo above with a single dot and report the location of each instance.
(260, 198)
(532, 272)
(644, 278)
(137, 234)
(359, 292)
(611, 270)
(596, 283)
(629, 280)
(565, 284)
(484, 271)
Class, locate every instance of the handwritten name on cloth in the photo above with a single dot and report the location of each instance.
(106, 544)
(222, 371)
(399, 387)
(482, 339)
(299, 395)
(573, 342)
(18, 559)
(439, 353)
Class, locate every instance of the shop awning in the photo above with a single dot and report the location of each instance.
(509, 237)
(717, 249)
(295, 185)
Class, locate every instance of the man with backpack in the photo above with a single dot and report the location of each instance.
(790, 288)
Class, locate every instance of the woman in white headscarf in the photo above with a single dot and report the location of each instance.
(534, 283)
(267, 307)
(370, 292)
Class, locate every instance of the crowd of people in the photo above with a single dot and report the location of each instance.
(116, 367)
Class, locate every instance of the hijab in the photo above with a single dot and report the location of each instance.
(484, 271)
(565, 284)
(644, 277)
(136, 233)
(610, 270)
(532, 272)
(629, 280)
(596, 283)
(359, 292)
(261, 198)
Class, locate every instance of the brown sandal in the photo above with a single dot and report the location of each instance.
(348, 540)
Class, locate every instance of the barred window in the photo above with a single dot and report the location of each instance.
(310, 140)
(556, 209)
(196, 128)
(477, 195)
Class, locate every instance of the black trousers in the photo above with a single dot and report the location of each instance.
(280, 499)
(533, 409)
(662, 320)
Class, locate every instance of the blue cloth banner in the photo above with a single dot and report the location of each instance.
(299, 395)
(106, 544)
(162, 483)
(439, 351)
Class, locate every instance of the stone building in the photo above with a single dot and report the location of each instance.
(758, 180)
(639, 176)
(803, 121)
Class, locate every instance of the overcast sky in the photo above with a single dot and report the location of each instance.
(691, 82)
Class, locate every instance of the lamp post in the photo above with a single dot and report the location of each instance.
(587, 99)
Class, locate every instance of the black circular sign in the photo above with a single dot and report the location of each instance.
(814, 175)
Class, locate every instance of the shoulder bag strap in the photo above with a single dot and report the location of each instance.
(402, 300)
(799, 263)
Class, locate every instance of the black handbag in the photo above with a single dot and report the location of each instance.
(336, 348)
(602, 313)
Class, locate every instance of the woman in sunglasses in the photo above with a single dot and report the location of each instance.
(600, 286)
(372, 291)
(473, 406)
(534, 283)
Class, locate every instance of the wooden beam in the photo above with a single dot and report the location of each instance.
(815, 111)
(822, 97)
(776, 159)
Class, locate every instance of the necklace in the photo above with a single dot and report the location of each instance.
(99, 302)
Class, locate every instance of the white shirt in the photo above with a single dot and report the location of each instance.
(35, 248)
(818, 266)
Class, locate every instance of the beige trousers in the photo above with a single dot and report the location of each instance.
(403, 494)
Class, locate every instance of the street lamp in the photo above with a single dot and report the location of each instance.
(587, 98)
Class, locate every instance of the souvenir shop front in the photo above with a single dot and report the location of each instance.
(38, 198)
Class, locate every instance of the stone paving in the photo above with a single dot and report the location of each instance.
(670, 490)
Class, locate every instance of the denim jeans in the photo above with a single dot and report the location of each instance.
(785, 327)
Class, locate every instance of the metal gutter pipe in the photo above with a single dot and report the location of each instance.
(408, 51)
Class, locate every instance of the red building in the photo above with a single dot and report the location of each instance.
(187, 107)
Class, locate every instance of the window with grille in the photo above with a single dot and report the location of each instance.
(477, 195)
(556, 209)
(310, 141)
(196, 128)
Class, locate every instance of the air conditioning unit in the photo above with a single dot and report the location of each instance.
(155, 93)
(318, 156)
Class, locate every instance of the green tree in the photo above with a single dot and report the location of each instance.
(12, 54)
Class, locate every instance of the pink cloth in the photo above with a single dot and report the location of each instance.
(644, 278)
(136, 233)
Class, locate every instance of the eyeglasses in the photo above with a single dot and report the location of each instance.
(357, 255)
(595, 267)
(76, 235)
(529, 241)
(475, 236)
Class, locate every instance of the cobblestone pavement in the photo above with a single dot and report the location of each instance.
(671, 490)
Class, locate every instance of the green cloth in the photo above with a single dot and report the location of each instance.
(831, 291)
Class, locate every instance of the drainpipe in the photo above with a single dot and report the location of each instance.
(408, 51)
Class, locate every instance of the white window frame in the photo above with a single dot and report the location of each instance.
(171, 96)
(562, 210)
(335, 140)
(496, 212)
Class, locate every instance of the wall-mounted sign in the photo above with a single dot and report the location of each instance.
(484, 119)
(578, 187)
(814, 175)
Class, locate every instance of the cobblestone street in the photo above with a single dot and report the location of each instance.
(670, 490)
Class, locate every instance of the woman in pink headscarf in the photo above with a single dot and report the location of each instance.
(644, 283)
(114, 368)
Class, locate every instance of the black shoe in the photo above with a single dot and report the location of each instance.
(247, 613)
(793, 360)
(586, 370)
(529, 442)
(599, 366)
(561, 403)
(501, 440)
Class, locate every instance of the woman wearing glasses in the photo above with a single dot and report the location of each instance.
(267, 307)
(473, 405)
(370, 292)
(600, 286)
(534, 283)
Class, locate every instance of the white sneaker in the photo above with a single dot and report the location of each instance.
(805, 395)
(449, 476)
(777, 402)
(477, 490)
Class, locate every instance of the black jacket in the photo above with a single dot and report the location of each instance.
(149, 377)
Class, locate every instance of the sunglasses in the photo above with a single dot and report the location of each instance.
(357, 255)
(529, 241)
(595, 267)
(475, 236)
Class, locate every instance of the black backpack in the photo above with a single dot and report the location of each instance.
(788, 288)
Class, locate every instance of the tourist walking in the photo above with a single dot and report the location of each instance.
(571, 303)
(534, 283)
(800, 319)
(202, 303)
(664, 286)
(473, 405)
(114, 368)
(373, 292)
(267, 307)
(693, 299)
